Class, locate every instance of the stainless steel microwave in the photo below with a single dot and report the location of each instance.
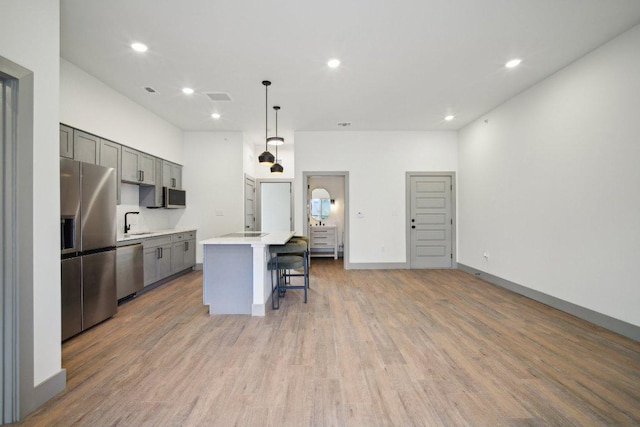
(173, 198)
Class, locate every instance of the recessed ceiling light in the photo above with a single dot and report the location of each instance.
(513, 63)
(333, 63)
(215, 116)
(449, 117)
(139, 47)
(187, 90)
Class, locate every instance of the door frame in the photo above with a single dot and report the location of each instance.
(19, 392)
(258, 213)
(248, 177)
(305, 208)
(454, 226)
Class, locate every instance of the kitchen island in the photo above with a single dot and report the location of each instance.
(236, 279)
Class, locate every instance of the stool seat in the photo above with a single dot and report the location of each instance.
(289, 248)
(287, 262)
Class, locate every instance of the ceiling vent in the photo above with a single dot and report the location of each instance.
(218, 96)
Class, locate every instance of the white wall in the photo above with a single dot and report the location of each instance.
(29, 36)
(376, 162)
(214, 177)
(550, 186)
(87, 103)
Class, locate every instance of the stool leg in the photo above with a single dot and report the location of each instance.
(306, 275)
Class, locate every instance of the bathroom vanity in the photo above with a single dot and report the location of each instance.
(323, 241)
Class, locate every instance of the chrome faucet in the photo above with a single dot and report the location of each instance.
(126, 226)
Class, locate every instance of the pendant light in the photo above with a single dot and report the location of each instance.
(276, 140)
(266, 158)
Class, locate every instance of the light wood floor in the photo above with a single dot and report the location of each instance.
(397, 347)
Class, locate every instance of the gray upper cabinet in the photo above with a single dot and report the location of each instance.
(129, 170)
(132, 166)
(86, 147)
(148, 168)
(66, 142)
(110, 156)
(150, 196)
(171, 175)
(138, 167)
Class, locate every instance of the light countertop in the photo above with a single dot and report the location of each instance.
(148, 234)
(251, 238)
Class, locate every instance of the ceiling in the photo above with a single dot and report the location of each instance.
(404, 64)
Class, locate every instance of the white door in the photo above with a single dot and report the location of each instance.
(249, 204)
(431, 222)
(275, 206)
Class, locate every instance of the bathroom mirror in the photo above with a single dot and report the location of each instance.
(320, 204)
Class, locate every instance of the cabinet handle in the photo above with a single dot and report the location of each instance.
(142, 172)
(173, 182)
(186, 246)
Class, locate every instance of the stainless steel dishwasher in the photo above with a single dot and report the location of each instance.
(129, 270)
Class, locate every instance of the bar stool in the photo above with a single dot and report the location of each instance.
(284, 259)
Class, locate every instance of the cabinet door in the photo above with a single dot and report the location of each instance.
(164, 262)
(167, 179)
(176, 174)
(150, 196)
(66, 142)
(147, 164)
(171, 175)
(177, 257)
(110, 156)
(129, 166)
(190, 253)
(150, 261)
(86, 147)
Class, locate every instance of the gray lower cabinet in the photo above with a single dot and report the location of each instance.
(138, 167)
(66, 142)
(184, 251)
(157, 259)
(110, 156)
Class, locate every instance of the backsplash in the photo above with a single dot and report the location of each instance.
(148, 219)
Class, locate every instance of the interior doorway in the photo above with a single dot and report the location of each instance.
(334, 219)
(275, 205)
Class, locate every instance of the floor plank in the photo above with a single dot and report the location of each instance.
(388, 347)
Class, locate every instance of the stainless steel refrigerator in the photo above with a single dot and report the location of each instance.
(88, 243)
